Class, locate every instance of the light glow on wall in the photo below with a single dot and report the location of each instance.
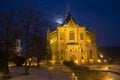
(53, 40)
(76, 61)
(88, 40)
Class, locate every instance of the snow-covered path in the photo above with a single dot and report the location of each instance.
(38, 74)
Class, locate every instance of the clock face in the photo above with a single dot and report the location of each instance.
(53, 40)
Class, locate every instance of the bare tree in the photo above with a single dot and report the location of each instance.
(38, 46)
(32, 23)
(7, 27)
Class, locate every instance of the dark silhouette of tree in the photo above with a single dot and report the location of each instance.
(7, 28)
(32, 22)
(28, 24)
(37, 47)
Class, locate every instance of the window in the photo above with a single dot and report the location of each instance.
(81, 50)
(61, 36)
(81, 36)
(61, 57)
(82, 57)
(71, 35)
(61, 51)
(90, 54)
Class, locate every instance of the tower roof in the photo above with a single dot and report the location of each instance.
(68, 18)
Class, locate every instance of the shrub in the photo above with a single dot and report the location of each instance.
(18, 60)
(83, 73)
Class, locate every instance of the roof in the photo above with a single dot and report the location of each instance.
(68, 18)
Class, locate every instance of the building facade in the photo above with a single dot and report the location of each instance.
(72, 42)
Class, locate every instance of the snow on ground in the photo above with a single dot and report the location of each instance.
(50, 73)
(38, 74)
(112, 75)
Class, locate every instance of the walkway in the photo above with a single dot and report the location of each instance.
(51, 73)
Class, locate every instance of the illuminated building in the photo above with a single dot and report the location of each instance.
(72, 42)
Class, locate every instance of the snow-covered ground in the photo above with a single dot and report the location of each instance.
(111, 76)
(38, 74)
(50, 73)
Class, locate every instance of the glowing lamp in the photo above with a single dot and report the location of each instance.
(99, 60)
(76, 61)
(105, 60)
(101, 55)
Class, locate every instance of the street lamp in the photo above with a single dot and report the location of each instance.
(101, 56)
(105, 60)
(76, 61)
(99, 61)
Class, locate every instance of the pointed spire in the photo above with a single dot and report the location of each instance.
(68, 18)
(68, 15)
(67, 8)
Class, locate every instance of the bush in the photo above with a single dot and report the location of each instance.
(83, 73)
(18, 60)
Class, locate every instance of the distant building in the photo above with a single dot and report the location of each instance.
(17, 47)
(72, 42)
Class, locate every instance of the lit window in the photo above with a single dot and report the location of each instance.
(71, 35)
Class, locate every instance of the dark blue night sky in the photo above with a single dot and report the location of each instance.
(102, 15)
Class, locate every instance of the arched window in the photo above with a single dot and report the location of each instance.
(61, 36)
(61, 51)
(81, 36)
(71, 36)
(90, 54)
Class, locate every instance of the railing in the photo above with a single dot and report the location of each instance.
(113, 68)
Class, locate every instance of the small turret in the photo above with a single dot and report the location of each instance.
(48, 31)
